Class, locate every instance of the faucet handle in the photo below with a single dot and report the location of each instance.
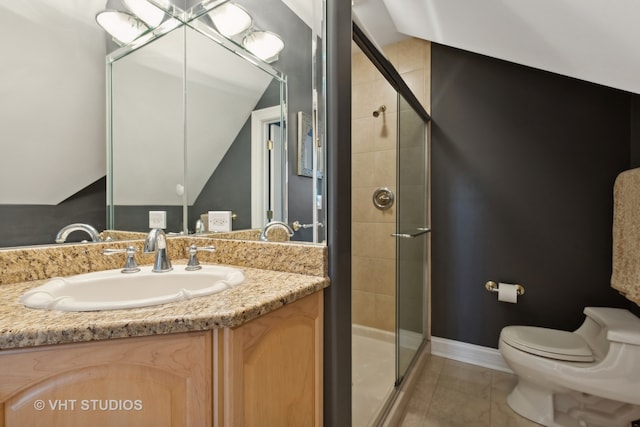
(130, 266)
(193, 263)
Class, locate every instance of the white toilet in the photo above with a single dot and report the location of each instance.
(590, 377)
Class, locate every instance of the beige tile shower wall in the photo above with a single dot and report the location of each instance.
(374, 165)
(412, 59)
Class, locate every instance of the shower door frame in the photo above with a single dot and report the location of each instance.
(388, 71)
(392, 76)
(412, 238)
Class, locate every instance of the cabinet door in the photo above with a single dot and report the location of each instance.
(273, 368)
(151, 381)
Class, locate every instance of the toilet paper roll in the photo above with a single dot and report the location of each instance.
(507, 293)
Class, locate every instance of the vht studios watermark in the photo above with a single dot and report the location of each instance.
(88, 405)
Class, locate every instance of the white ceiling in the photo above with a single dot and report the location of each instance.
(374, 20)
(586, 39)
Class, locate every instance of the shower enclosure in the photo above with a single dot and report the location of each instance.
(390, 224)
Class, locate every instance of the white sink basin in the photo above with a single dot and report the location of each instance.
(111, 289)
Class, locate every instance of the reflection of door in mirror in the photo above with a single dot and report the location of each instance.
(276, 209)
(268, 161)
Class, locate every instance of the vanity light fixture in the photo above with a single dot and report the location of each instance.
(230, 19)
(122, 26)
(148, 12)
(263, 44)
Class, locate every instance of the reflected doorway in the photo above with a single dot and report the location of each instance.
(268, 166)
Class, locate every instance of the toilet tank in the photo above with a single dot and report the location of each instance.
(603, 325)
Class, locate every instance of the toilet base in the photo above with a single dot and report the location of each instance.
(569, 409)
(532, 402)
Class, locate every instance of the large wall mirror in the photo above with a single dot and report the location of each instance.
(183, 107)
(185, 103)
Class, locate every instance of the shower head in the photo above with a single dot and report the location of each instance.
(380, 109)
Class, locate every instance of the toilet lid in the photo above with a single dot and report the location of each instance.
(551, 343)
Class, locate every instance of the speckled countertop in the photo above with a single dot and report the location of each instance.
(263, 290)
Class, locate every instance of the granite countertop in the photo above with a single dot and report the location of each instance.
(262, 291)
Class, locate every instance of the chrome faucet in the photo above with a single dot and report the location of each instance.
(62, 235)
(272, 224)
(156, 241)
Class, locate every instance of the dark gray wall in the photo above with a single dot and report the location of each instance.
(38, 224)
(295, 62)
(523, 165)
(233, 174)
(635, 130)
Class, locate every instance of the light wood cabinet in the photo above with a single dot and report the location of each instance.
(267, 372)
(155, 381)
(271, 368)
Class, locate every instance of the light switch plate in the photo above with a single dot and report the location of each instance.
(157, 219)
(219, 221)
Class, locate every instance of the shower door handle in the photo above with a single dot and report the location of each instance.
(421, 231)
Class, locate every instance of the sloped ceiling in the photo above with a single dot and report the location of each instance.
(52, 103)
(52, 100)
(373, 18)
(222, 91)
(587, 39)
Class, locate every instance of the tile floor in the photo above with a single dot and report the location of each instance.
(447, 393)
(450, 394)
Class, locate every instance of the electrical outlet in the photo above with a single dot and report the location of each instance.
(157, 219)
(219, 221)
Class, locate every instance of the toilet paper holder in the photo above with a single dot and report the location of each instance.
(492, 286)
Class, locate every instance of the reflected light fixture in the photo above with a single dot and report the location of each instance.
(122, 26)
(263, 44)
(230, 19)
(150, 14)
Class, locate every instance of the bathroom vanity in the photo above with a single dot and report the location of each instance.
(247, 356)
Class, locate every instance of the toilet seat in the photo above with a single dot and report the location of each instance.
(550, 343)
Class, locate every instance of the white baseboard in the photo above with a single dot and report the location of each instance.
(469, 353)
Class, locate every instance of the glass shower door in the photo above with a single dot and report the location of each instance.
(412, 231)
